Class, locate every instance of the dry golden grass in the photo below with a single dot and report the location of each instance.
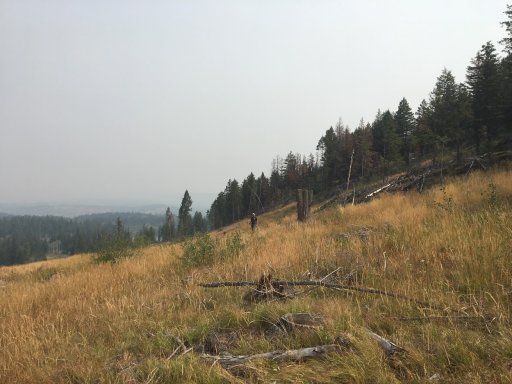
(72, 321)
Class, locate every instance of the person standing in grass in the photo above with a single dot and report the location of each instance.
(254, 221)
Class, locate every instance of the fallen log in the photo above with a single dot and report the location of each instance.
(292, 354)
(381, 189)
(315, 283)
(421, 178)
(342, 344)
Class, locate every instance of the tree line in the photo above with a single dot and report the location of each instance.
(456, 120)
(27, 238)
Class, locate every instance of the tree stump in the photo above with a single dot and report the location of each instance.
(304, 201)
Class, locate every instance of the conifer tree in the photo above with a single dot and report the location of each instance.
(199, 224)
(362, 145)
(404, 119)
(507, 40)
(505, 75)
(386, 140)
(328, 148)
(249, 195)
(448, 115)
(264, 191)
(184, 216)
(484, 84)
(423, 135)
(168, 230)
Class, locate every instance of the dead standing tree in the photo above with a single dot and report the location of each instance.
(304, 201)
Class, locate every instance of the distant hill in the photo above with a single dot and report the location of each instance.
(132, 221)
(74, 210)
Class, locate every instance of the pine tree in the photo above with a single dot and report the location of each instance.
(275, 185)
(483, 81)
(233, 201)
(386, 140)
(362, 146)
(404, 119)
(505, 113)
(448, 116)
(505, 75)
(264, 192)
(290, 171)
(184, 216)
(216, 214)
(507, 40)
(146, 235)
(251, 201)
(423, 135)
(199, 224)
(328, 146)
(168, 230)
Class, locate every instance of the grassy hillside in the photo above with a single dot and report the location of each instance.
(72, 321)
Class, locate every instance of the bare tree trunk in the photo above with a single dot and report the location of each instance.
(304, 201)
(300, 205)
(350, 169)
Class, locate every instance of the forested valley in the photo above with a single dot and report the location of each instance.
(31, 238)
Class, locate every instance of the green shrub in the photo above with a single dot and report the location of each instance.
(234, 245)
(199, 250)
(203, 250)
(114, 248)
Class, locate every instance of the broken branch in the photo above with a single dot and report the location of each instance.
(292, 354)
(314, 283)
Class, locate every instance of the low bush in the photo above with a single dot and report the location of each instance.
(204, 250)
(114, 248)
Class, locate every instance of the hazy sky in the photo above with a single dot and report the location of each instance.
(140, 100)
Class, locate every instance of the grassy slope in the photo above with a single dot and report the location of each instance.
(73, 321)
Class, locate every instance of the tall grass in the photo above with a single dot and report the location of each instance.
(71, 320)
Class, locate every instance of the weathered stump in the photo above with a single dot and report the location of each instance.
(304, 201)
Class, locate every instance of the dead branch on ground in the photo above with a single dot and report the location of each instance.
(388, 346)
(292, 354)
(267, 287)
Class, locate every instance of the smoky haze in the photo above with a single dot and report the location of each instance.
(131, 101)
